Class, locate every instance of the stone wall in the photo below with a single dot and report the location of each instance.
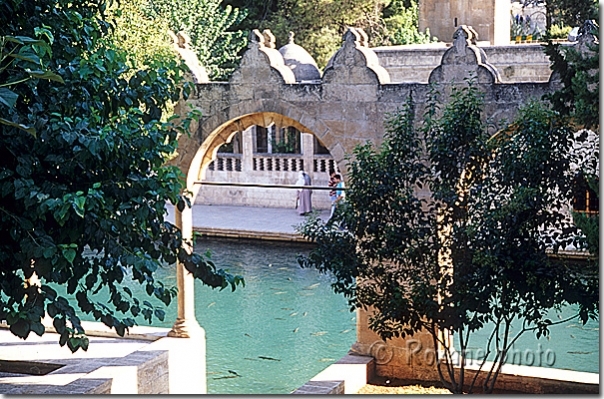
(348, 106)
(515, 63)
(490, 18)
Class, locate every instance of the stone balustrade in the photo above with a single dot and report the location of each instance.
(278, 162)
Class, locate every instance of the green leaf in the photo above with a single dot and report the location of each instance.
(46, 75)
(78, 205)
(20, 328)
(84, 343)
(69, 254)
(28, 40)
(38, 328)
(8, 97)
(29, 57)
(160, 314)
(28, 129)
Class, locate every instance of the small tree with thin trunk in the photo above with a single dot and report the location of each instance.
(450, 229)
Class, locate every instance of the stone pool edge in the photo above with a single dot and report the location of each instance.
(352, 372)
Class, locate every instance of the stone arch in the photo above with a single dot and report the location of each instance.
(198, 154)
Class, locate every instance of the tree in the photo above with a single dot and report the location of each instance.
(319, 25)
(579, 99)
(140, 34)
(452, 232)
(401, 22)
(83, 181)
(208, 25)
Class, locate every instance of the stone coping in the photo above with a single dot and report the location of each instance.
(249, 234)
(112, 364)
(96, 329)
(352, 372)
(346, 376)
(548, 373)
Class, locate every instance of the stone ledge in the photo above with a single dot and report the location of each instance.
(351, 372)
(256, 235)
(321, 388)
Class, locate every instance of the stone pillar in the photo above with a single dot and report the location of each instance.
(501, 23)
(308, 149)
(247, 157)
(187, 357)
(186, 325)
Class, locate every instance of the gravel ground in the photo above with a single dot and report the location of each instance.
(382, 386)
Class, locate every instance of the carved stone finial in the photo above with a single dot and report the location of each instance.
(269, 38)
(181, 45)
(464, 36)
(364, 39)
(351, 35)
(464, 59)
(184, 41)
(291, 38)
(256, 37)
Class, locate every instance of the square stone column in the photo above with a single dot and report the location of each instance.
(247, 157)
(308, 149)
(189, 355)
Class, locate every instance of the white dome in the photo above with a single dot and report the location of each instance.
(299, 61)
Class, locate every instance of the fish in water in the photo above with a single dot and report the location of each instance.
(234, 372)
(276, 289)
(312, 287)
(318, 333)
(249, 358)
(572, 336)
(344, 331)
(247, 335)
(290, 279)
(212, 304)
(579, 353)
(326, 359)
(293, 314)
(269, 358)
(282, 268)
(270, 265)
(279, 318)
(287, 308)
(296, 329)
(226, 376)
(279, 292)
(304, 314)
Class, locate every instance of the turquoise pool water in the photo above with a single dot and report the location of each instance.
(286, 324)
(570, 345)
(273, 335)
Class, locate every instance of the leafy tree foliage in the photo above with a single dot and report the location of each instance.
(83, 186)
(401, 22)
(138, 33)
(579, 98)
(208, 25)
(452, 232)
(572, 12)
(319, 25)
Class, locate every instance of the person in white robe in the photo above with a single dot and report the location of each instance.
(304, 204)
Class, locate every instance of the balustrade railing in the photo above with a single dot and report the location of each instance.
(278, 163)
(324, 163)
(226, 162)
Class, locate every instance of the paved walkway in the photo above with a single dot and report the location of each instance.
(248, 222)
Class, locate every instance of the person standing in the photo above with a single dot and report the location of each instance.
(304, 195)
(339, 194)
(332, 183)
